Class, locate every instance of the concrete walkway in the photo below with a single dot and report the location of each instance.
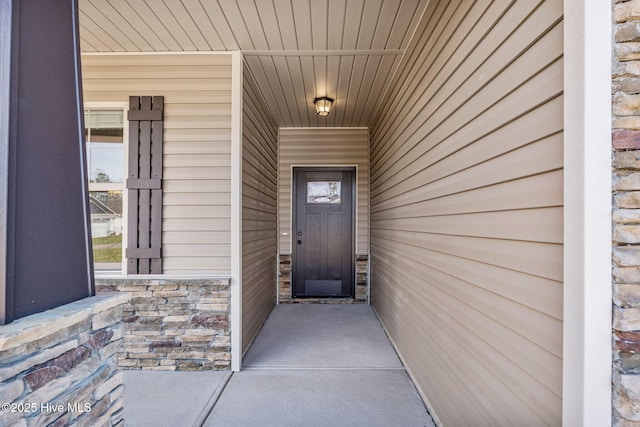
(311, 365)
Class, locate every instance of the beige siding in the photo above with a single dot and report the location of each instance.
(196, 188)
(323, 147)
(259, 210)
(466, 211)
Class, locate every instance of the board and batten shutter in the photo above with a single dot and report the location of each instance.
(144, 185)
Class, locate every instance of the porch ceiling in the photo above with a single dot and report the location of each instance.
(296, 49)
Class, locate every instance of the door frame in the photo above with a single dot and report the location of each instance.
(354, 215)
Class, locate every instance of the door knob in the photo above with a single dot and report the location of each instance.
(299, 242)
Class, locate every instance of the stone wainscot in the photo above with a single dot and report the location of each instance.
(174, 324)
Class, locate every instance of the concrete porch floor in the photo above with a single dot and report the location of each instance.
(311, 364)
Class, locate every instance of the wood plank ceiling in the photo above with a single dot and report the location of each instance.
(295, 49)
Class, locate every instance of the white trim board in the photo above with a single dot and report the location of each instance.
(329, 52)
(321, 128)
(587, 214)
(155, 53)
(236, 210)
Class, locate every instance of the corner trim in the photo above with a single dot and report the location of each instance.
(236, 210)
(587, 214)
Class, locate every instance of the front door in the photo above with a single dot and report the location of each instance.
(323, 232)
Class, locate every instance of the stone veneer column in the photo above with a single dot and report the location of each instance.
(362, 279)
(626, 214)
(60, 367)
(284, 278)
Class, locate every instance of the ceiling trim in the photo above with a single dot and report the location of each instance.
(358, 52)
(163, 52)
(322, 127)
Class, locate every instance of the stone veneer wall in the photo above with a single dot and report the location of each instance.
(59, 367)
(174, 324)
(626, 214)
(362, 283)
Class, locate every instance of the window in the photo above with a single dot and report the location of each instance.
(104, 133)
(323, 192)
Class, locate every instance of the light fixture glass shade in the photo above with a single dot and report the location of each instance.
(323, 105)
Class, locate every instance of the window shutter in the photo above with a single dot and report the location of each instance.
(144, 184)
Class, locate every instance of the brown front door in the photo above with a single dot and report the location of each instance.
(323, 256)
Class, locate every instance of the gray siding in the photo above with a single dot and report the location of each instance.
(466, 211)
(324, 147)
(197, 131)
(259, 210)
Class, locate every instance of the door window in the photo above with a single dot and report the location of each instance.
(321, 192)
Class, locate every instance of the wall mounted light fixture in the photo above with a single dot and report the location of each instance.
(323, 105)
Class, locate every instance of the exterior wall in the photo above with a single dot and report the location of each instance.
(197, 147)
(259, 211)
(59, 367)
(174, 324)
(318, 147)
(626, 216)
(466, 212)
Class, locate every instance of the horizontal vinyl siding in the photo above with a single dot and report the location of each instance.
(466, 211)
(259, 211)
(196, 153)
(319, 147)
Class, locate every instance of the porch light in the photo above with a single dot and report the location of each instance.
(323, 105)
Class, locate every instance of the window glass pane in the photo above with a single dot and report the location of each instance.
(106, 228)
(105, 162)
(323, 192)
(104, 135)
(106, 126)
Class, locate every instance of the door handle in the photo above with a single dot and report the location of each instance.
(299, 242)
